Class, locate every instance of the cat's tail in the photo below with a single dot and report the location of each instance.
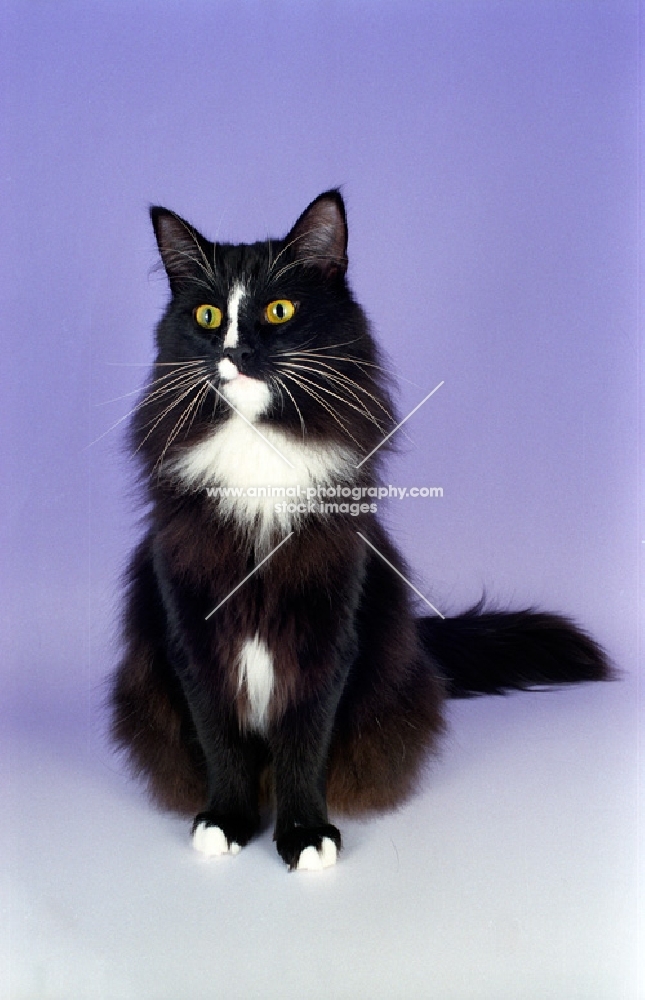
(490, 652)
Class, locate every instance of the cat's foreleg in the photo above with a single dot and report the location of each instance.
(233, 759)
(304, 837)
(232, 816)
(233, 764)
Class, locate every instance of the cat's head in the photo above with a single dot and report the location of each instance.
(266, 331)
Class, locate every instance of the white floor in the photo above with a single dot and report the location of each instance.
(512, 874)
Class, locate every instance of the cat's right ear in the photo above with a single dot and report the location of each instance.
(184, 252)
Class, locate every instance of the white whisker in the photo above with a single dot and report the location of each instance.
(335, 375)
(149, 364)
(136, 392)
(189, 411)
(317, 353)
(322, 403)
(156, 421)
(322, 388)
(287, 390)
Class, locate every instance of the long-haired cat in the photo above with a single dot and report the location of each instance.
(270, 631)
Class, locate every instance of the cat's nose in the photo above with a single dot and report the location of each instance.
(238, 355)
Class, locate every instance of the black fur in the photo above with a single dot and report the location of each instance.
(491, 652)
(356, 700)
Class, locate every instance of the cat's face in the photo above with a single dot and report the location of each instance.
(266, 332)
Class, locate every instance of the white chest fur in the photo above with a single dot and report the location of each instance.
(239, 456)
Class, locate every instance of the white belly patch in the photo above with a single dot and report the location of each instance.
(255, 673)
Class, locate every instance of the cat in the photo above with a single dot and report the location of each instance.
(270, 648)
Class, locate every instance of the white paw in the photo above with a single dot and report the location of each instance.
(311, 860)
(212, 842)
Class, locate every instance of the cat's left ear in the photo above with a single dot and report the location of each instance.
(184, 252)
(319, 237)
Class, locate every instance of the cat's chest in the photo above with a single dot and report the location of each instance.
(256, 474)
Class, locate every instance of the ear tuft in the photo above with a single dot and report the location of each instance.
(319, 237)
(183, 250)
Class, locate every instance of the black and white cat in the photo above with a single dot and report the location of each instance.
(270, 648)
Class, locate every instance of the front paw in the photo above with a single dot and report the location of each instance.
(214, 835)
(309, 848)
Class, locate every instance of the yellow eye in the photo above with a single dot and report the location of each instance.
(280, 311)
(210, 317)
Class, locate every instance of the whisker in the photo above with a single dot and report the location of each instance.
(322, 403)
(126, 416)
(330, 347)
(155, 422)
(176, 385)
(273, 381)
(364, 412)
(287, 390)
(109, 430)
(339, 357)
(335, 380)
(202, 397)
(176, 364)
(338, 375)
(188, 411)
(135, 392)
(360, 362)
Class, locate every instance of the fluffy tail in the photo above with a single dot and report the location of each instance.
(490, 652)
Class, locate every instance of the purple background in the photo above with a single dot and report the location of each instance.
(488, 155)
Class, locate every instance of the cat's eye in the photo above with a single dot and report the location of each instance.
(209, 317)
(279, 311)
